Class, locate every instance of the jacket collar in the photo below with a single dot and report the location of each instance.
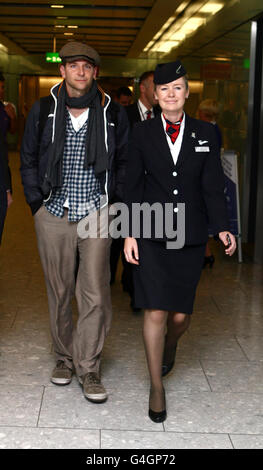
(159, 138)
(105, 99)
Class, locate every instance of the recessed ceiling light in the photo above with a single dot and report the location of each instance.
(72, 27)
(59, 26)
(222, 59)
(68, 34)
(174, 32)
(192, 24)
(181, 7)
(3, 48)
(57, 6)
(211, 7)
(62, 17)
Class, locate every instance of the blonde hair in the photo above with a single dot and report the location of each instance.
(209, 106)
(185, 77)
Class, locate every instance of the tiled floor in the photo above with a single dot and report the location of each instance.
(214, 394)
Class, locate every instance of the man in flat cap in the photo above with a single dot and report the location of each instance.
(72, 167)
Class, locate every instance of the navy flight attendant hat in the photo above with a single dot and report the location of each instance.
(166, 73)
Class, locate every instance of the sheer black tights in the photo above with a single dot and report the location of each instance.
(177, 324)
(156, 324)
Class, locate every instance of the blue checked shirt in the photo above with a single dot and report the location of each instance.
(80, 186)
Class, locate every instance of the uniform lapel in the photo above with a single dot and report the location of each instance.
(187, 142)
(159, 140)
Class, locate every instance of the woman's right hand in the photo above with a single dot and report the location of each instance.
(131, 250)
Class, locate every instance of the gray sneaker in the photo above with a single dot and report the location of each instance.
(61, 375)
(92, 387)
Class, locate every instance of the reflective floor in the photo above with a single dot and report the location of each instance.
(214, 394)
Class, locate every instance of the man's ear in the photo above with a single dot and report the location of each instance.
(62, 70)
(142, 88)
(96, 72)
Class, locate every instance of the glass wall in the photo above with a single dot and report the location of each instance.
(226, 80)
(232, 97)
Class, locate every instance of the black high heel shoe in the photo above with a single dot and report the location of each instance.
(209, 260)
(166, 368)
(158, 416)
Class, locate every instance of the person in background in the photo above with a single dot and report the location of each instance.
(208, 110)
(8, 123)
(3, 193)
(172, 159)
(76, 175)
(123, 96)
(146, 107)
(229, 122)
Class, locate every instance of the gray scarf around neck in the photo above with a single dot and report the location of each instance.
(96, 153)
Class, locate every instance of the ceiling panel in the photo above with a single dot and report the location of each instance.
(96, 3)
(122, 27)
(108, 25)
(73, 11)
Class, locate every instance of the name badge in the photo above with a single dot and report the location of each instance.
(202, 149)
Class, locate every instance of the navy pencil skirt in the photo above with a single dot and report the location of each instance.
(166, 279)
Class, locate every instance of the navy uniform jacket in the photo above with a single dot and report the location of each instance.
(197, 176)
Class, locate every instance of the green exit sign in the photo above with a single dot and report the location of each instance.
(52, 57)
(246, 63)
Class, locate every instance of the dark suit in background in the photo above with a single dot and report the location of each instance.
(134, 113)
(4, 126)
(3, 196)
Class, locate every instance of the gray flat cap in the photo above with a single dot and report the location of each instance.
(77, 50)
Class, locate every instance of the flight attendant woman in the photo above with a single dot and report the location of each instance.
(173, 159)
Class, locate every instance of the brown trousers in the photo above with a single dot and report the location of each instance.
(89, 280)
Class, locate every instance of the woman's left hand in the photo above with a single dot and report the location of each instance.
(232, 248)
